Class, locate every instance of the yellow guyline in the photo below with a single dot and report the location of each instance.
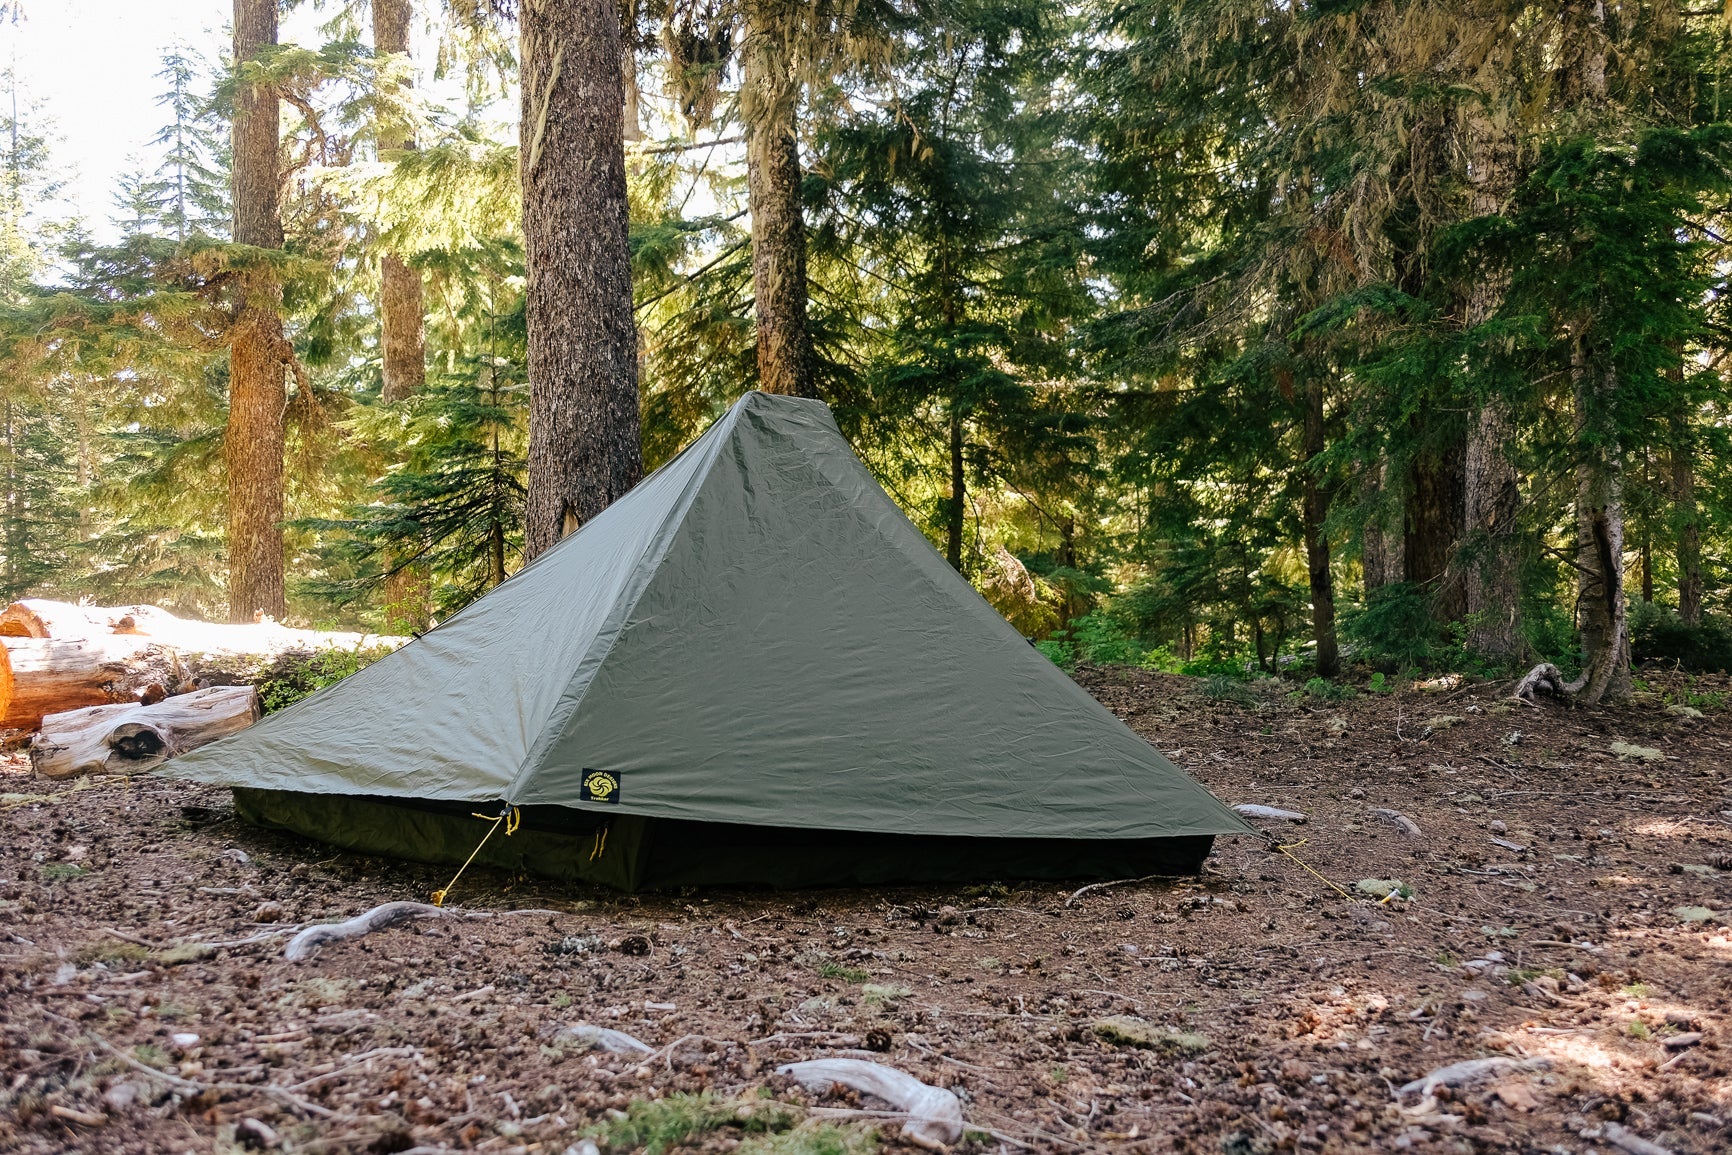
(1287, 849)
(511, 818)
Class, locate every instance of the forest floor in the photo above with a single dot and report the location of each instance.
(1589, 948)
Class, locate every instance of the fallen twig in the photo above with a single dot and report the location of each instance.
(1078, 893)
(198, 1087)
(603, 1039)
(1398, 820)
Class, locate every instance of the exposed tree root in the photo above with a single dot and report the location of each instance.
(390, 914)
(1550, 679)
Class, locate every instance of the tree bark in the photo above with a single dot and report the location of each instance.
(1316, 502)
(1381, 560)
(787, 361)
(1494, 567)
(1493, 499)
(401, 298)
(258, 352)
(1689, 541)
(955, 507)
(584, 444)
(1601, 605)
(1434, 515)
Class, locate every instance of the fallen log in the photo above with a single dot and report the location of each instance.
(51, 676)
(129, 739)
(40, 618)
(43, 618)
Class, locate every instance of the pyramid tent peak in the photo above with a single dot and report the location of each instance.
(754, 636)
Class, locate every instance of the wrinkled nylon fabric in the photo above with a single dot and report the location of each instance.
(755, 635)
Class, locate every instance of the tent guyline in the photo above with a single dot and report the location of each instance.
(510, 818)
(752, 668)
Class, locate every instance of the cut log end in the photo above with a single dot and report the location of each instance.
(128, 739)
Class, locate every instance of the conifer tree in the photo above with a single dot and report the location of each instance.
(584, 449)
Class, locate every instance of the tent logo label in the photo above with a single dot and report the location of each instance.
(599, 786)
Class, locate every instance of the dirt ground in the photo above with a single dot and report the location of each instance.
(1571, 891)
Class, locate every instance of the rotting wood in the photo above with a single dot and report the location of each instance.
(1253, 810)
(51, 676)
(125, 739)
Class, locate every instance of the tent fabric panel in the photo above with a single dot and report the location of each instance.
(454, 714)
(804, 657)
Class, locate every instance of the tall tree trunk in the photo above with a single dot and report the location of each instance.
(1601, 603)
(1493, 499)
(1493, 573)
(402, 340)
(1316, 542)
(585, 450)
(1381, 560)
(258, 352)
(401, 301)
(1601, 606)
(787, 361)
(1433, 516)
(1689, 541)
(953, 512)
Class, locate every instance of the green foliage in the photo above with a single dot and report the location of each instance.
(1393, 630)
(833, 970)
(1657, 634)
(1227, 688)
(653, 1126)
(1151, 314)
(294, 676)
(1324, 690)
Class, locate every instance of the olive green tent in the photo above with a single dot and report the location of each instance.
(751, 668)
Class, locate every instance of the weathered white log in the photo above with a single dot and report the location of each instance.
(934, 1115)
(382, 917)
(128, 739)
(40, 618)
(51, 676)
(1254, 810)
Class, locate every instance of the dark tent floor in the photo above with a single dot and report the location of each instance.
(636, 853)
